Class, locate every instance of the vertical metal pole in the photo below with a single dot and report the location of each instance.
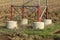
(46, 9)
(38, 11)
(30, 0)
(11, 11)
(22, 9)
(22, 12)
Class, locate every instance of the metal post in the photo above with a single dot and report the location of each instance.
(46, 9)
(38, 11)
(22, 12)
(22, 9)
(30, 0)
(11, 15)
(11, 11)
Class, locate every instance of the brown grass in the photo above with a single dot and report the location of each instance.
(54, 10)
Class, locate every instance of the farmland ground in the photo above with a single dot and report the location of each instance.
(53, 5)
(28, 34)
(54, 14)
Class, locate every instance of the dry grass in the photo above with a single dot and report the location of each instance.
(54, 10)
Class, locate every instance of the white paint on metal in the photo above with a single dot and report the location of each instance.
(23, 2)
(38, 2)
(30, 0)
(46, 2)
(43, 13)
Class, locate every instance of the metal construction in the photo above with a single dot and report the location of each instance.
(32, 8)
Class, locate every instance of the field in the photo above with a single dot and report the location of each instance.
(54, 9)
(51, 32)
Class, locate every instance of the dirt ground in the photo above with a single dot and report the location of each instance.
(22, 37)
(54, 14)
(53, 10)
(26, 37)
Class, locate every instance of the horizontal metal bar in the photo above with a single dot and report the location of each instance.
(23, 6)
